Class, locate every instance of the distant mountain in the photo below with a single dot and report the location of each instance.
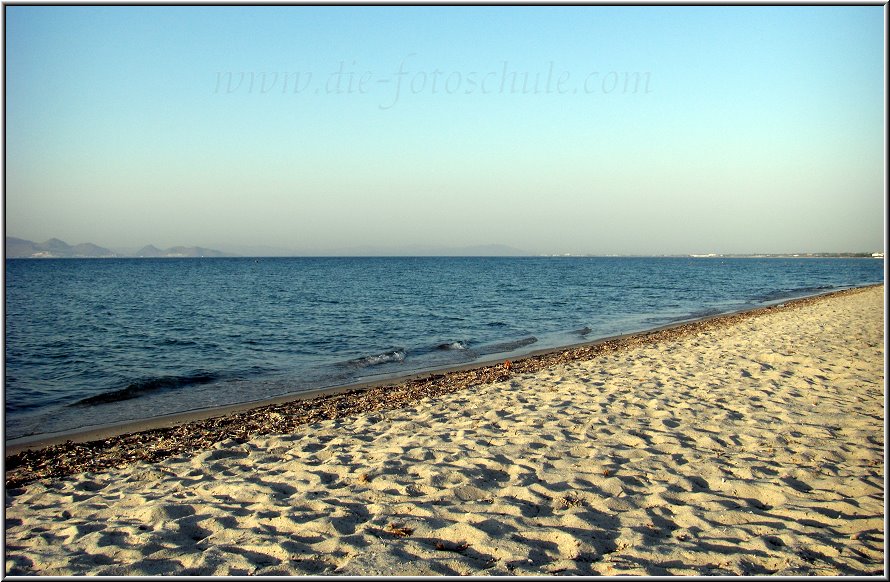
(91, 250)
(18, 248)
(260, 251)
(149, 251)
(424, 251)
(152, 251)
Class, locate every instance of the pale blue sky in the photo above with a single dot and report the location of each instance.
(752, 129)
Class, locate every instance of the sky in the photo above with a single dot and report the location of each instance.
(593, 130)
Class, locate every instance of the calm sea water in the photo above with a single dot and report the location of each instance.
(93, 342)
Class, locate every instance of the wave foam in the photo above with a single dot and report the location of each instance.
(397, 355)
(452, 346)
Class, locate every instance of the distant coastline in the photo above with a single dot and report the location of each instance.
(875, 255)
(17, 248)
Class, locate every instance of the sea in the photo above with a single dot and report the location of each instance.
(92, 342)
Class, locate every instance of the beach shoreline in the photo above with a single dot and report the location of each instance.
(744, 445)
(105, 431)
(123, 437)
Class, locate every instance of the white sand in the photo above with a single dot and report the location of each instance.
(755, 449)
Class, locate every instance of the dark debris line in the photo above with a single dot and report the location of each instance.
(70, 458)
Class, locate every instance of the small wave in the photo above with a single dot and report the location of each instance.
(452, 346)
(137, 389)
(505, 346)
(396, 355)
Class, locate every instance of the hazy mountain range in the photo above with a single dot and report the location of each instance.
(18, 248)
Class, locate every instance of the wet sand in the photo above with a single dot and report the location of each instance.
(749, 444)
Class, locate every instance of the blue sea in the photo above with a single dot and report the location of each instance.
(99, 341)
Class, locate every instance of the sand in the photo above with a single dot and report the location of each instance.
(756, 448)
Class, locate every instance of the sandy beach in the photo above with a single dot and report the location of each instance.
(751, 447)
